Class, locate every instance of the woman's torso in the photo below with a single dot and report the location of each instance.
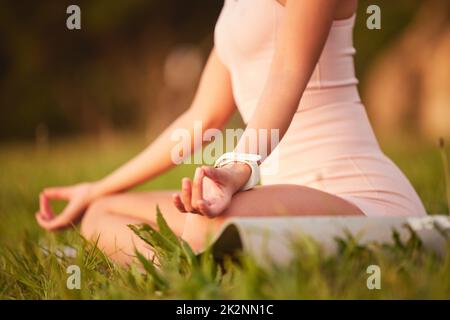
(245, 36)
(330, 144)
(325, 125)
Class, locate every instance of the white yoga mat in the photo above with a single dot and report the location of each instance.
(271, 237)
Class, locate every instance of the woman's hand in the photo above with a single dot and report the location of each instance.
(211, 190)
(79, 198)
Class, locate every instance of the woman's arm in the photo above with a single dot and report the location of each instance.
(300, 42)
(213, 105)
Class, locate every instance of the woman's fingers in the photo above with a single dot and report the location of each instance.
(63, 220)
(203, 207)
(191, 199)
(59, 222)
(60, 193)
(197, 187)
(47, 224)
(78, 200)
(45, 208)
(186, 194)
(45, 216)
(40, 219)
(178, 203)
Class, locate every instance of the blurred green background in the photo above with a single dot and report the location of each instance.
(111, 75)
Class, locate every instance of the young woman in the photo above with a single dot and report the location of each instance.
(288, 66)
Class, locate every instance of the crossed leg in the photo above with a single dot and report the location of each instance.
(108, 217)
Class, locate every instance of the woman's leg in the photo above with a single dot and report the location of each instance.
(109, 216)
(107, 219)
(269, 200)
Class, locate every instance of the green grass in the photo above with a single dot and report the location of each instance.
(27, 271)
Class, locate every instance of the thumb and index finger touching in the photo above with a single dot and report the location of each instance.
(46, 217)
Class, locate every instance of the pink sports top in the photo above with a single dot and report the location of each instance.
(245, 36)
(330, 144)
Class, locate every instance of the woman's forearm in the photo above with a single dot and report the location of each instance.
(213, 105)
(275, 111)
(151, 162)
(300, 42)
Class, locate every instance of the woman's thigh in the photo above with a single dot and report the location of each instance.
(113, 236)
(106, 221)
(270, 200)
(141, 206)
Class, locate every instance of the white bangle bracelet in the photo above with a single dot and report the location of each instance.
(249, 159)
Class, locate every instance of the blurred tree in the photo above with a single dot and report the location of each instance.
(101, 77)
(111, 74)
(408, 88)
